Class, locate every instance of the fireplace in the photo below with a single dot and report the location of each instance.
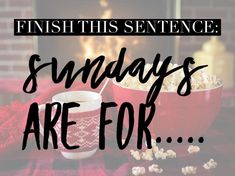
(79, 48)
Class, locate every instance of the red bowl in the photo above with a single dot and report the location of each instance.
(175, 116)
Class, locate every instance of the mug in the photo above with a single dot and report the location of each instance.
(85, 133)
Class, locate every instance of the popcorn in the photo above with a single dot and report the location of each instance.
(160, 154)
(155, 149)
(135, 154)
(199, 80)
(155, 168)
(147, 155)
(211, 164)
(193, 149)
(171, 154)
(138, 171)
(189, 170)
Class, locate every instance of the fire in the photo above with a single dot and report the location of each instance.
(104, 3)
(107, 14)
(106, 45)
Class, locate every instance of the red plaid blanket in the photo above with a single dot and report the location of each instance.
(14, 161)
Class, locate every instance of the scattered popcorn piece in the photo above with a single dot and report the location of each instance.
(147, 155)
(193, 149)
(189, 170)
(171, 154)
(211, 164)
(135, 154)
(155, 149)
(160, 154)
(138, 171)
(161, 150)
(155, 168)
(149, 151)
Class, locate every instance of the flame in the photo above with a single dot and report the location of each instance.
(104, 3)
(108, 46)
(107, 14)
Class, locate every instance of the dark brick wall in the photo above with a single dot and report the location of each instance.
(14, 51)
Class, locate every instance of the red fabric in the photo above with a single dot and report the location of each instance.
(13, 117)
(11, 125)
(34, 162)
